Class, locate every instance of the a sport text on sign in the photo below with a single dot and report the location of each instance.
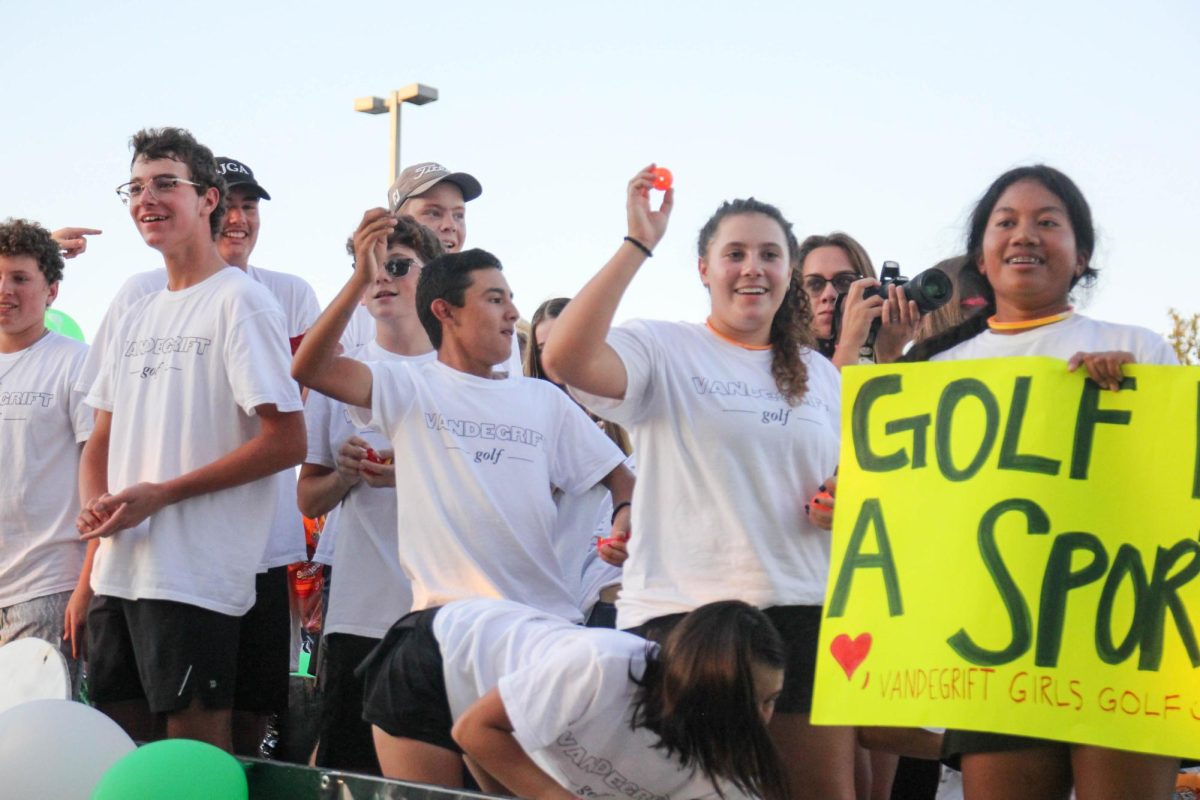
(1016, 550)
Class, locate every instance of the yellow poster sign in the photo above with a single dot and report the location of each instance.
(1016, 550)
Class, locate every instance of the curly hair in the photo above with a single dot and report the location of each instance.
(1079, 213)
(791, 327)
(21, 237)
(179, 145)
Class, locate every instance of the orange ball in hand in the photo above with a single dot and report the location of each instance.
(662, 178)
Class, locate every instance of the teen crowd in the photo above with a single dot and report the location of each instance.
(478, 518)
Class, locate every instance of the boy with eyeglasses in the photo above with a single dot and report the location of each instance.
(265, 645)
(195, 412)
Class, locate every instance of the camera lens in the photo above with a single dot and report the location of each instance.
(930, 290)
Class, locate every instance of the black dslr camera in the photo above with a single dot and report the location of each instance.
(930, 290)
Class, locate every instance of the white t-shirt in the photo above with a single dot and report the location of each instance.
(375, 592)
(359, 331)
(299, 302)
(725, 467)
(569, 694)
(1064, 339)
(286, 544)
(476, 462)
(183, 374)
(43, 420)
(327, 542)
(134, 289)
(582, 520)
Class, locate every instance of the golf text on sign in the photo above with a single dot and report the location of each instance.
(1017, 550)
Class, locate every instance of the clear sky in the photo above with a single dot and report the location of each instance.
(884, 119)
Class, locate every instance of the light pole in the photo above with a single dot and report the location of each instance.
(416, 93)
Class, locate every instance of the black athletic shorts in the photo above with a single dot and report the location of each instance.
(264, 647)
(403, 684)
(163, 651)
(345, 737)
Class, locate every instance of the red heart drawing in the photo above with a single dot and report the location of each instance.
(850, 652)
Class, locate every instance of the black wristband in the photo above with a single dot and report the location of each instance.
(639, 246)
(617, 509)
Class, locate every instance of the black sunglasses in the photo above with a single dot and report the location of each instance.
(399, 267)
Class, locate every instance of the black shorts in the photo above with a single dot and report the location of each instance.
(404, 689)
(161, 651)
(958, 743)
(800, 628)
(602, 615)
(264, 647)
(344, 737)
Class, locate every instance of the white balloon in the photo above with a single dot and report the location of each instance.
(33, 669)
(57, 749)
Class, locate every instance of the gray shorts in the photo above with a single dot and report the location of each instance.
(41, 617)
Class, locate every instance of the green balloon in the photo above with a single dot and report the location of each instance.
(59, 322)
(181, 769)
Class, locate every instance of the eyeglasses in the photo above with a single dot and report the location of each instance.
(815, 284)
(399, 267)
(158, 186)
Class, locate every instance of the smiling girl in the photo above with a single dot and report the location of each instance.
(1031, 240)
(735, 423)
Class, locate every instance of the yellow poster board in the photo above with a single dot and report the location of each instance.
(1018, 551)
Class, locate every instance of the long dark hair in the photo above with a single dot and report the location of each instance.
(1080, 216)
(698, 696)
(533, 368)
(791, 327)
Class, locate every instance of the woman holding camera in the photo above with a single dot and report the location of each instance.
(835, 267)
(736, 425)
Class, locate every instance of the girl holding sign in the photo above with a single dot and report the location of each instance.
(736, 425)
(1031, 240)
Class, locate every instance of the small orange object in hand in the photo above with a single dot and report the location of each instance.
(375, 458)
(662, 178)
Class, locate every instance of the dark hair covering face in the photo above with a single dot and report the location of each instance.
(698, 696)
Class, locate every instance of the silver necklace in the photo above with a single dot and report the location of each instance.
(21, 357)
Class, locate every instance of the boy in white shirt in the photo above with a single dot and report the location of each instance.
(195, 413)
(475, 458)
(265, 644)
(371, 590)
(43, 423)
